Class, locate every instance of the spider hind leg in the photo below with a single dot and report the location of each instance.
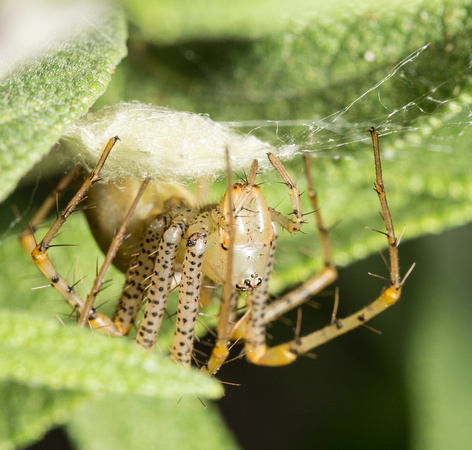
(288, 352)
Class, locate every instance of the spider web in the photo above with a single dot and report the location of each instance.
(426, 115)
(425, 135)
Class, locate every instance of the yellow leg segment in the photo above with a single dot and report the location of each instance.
(288, 352)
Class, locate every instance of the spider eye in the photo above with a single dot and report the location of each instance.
(247, 282)
(223, 246)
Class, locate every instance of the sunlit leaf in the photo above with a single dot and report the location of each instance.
(41, 352)
(43, 95)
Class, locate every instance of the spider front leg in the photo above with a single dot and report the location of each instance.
(320, 280)
(285, 353)
(160, 284)
(189, 294)
(190, 283)
(39, 252)
(140, 268)
(254, 326)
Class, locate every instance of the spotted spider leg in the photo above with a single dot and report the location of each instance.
(286, 353)
(39, 252)
(139, 272)
(254, 328)
(184, 223)
(189, 293)
(161, 280)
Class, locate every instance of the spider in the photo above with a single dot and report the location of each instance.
(231, 243)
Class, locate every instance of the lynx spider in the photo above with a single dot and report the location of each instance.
(216, 241)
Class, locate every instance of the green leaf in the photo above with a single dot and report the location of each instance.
(41, 352)
(316, 65)
(166, 21)
(42, 96)
(28, 412)
(121, 422)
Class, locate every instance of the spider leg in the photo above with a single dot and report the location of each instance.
(229, 297)
(39, 251)
(161, 281)
(142, 264)
(253, 328)
(227, 319)
(256, 350)
(287, 352)
(320, 280)
(259, 313)
(111, 253)
(189, 292)
(295, 223)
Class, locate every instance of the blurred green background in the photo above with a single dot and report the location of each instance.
(299, 63)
